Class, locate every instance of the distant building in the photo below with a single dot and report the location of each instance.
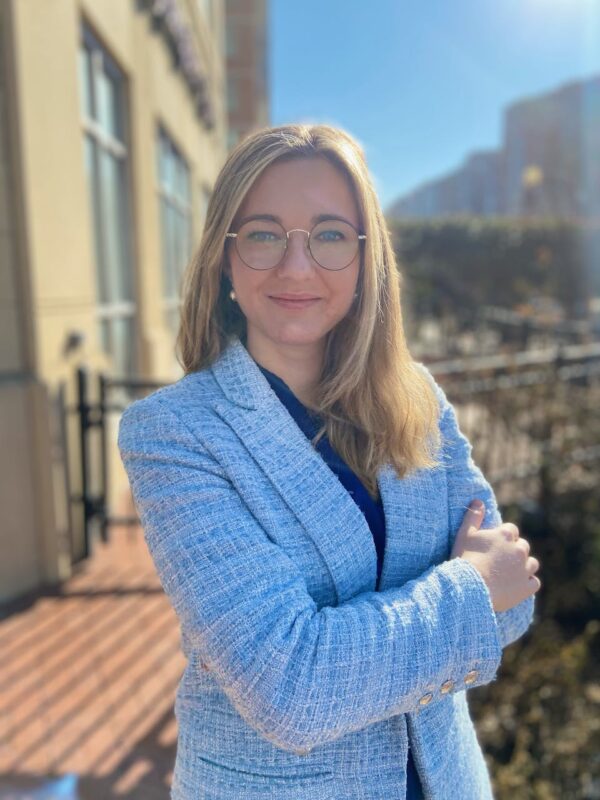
(559, 133)
(477, 187)
(113, 126)
(247, 71)
(548, 165)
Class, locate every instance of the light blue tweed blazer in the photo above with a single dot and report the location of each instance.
(302, 681)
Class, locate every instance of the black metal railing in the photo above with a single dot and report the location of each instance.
(94, 404)
(523, 414)
(528, 414)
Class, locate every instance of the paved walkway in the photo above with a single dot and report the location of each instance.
(87, 683)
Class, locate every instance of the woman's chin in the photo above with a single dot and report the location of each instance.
(294, 335)
(300, 338)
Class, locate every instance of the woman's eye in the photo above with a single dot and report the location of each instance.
(331, 236)
(262, 236)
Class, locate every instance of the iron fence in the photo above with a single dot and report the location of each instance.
(526, 415)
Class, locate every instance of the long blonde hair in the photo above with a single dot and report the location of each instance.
(377, 405)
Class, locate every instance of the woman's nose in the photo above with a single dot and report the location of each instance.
(297, 255)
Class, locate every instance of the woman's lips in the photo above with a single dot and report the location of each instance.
(286, 302)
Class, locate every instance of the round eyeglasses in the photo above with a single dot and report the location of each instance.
(262, 244)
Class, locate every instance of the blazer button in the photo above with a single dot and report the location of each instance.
(471, 676)
(427, 698)
(447, 687)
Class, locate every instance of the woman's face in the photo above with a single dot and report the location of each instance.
(294, 193)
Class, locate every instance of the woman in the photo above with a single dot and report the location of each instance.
(305, 494)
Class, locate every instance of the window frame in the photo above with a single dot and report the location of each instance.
(170, 200)
(116, 300)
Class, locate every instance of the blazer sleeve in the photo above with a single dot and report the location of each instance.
(465, 483)
(299, 675)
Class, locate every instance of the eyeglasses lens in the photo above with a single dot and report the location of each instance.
(261, 244)
(333, 243)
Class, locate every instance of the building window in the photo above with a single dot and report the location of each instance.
(175, 223)
(103, 109)
(204, 194)
(233, 137)
(230, 42)
(233, 100)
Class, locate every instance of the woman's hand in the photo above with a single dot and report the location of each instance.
(501, 557)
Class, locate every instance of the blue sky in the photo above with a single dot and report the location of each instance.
(421, 85)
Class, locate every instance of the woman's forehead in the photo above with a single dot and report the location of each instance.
(301, 187)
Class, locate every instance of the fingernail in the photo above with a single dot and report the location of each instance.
(476, 505)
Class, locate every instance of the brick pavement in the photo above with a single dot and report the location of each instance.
(87, 682)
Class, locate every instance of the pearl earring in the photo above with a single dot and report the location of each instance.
(232, 295)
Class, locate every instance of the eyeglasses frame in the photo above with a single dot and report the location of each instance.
(360, 236)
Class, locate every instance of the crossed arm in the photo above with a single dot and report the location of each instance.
(465, 483)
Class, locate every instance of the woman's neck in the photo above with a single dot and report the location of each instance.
(298, 366)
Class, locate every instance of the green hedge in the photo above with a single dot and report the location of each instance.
(452, 266)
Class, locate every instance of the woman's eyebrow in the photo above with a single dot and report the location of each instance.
(274, 218)
(325, 217)
(268, 217)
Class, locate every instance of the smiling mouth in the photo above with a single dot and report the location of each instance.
(293, 302)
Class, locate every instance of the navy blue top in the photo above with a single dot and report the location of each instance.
(372, 509)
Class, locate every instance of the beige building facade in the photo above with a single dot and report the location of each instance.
(113, 126)
(246, 49)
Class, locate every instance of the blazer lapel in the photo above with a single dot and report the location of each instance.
(310, 489)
